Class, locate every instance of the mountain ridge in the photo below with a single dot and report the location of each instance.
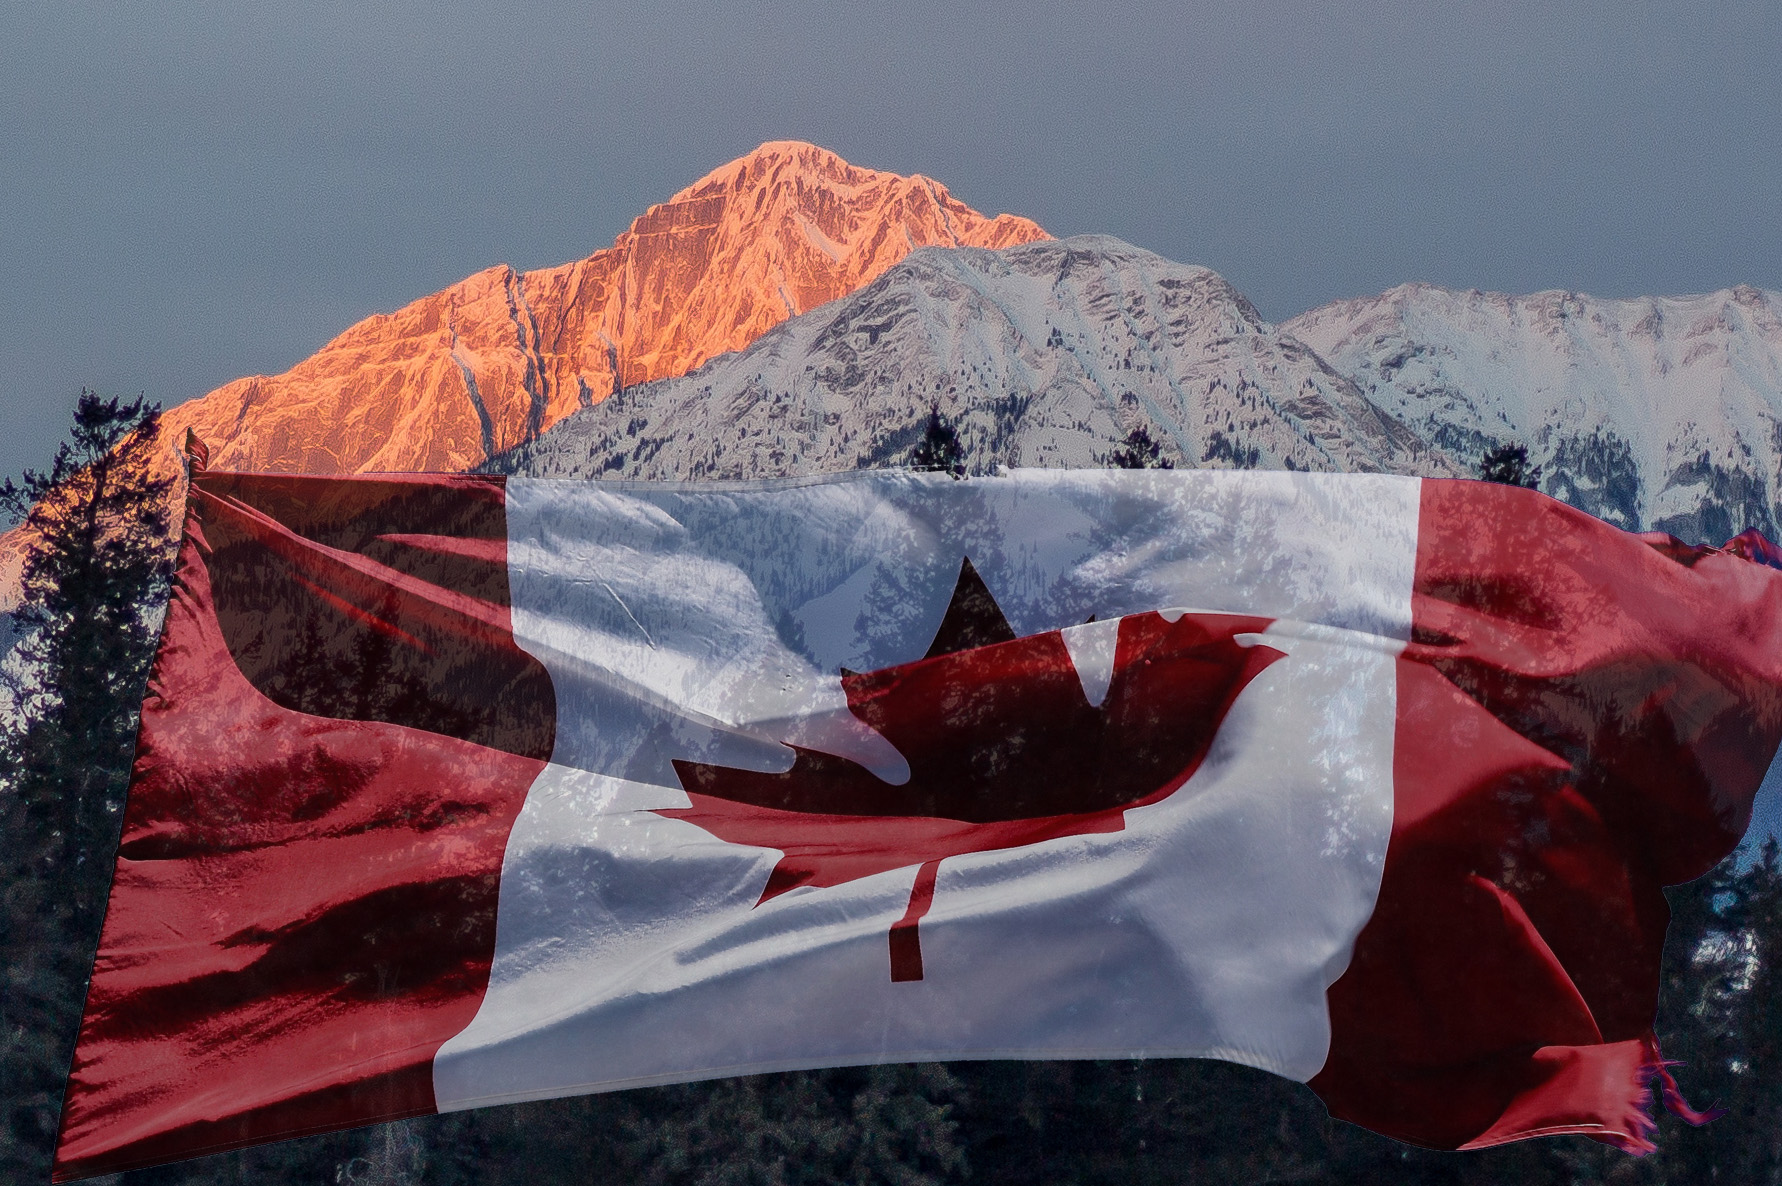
(1046, 353)
(1650, 412)
(491, 361)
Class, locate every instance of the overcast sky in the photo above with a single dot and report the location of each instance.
(195, 191)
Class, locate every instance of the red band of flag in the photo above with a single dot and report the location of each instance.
(338, 734)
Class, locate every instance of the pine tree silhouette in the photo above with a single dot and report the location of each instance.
(939, 448)
(1508, 465)
(1139, 452)
(95, 572)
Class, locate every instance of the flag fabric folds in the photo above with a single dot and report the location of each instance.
(457, 790)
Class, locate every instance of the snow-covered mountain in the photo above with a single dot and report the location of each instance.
(1649, 412)
(1044, 354)
(1655, 412)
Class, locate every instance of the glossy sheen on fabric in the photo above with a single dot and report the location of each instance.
(659, 923)
(1584, 717)
(304, 905)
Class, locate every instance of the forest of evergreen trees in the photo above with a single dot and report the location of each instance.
(94, 580)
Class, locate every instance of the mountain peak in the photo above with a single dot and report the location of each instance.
(493, 360)
(779, 158)
(778, 162)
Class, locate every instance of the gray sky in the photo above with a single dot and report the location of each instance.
(195, 191)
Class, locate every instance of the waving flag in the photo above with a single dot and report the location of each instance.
(452, 791)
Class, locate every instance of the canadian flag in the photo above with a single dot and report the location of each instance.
(452, 791)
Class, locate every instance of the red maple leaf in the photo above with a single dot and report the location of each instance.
(1003, 745)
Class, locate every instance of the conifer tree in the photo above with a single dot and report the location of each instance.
(1139, 452)
(1508, 465)
(939, 448)
(95, 570)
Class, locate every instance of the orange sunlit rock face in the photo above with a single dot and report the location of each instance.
(495, 359)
